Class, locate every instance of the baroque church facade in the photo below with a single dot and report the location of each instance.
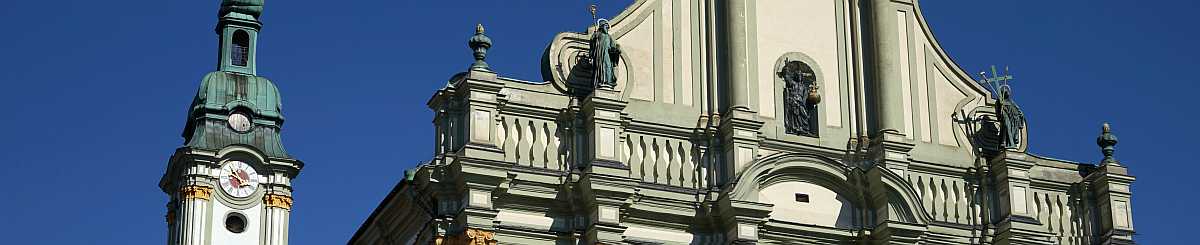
(745, 122)
(677, 122)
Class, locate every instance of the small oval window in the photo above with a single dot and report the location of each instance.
(235, 223)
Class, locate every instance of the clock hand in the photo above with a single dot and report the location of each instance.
(241, 181)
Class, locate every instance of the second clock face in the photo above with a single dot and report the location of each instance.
(240, 122)
(238, 179)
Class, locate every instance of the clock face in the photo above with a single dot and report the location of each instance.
(239, 122)
(238, 179)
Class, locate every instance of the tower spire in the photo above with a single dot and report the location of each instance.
(238, 26)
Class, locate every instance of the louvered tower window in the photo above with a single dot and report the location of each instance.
(241, 48)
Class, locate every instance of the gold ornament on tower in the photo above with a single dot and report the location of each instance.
(814, 94)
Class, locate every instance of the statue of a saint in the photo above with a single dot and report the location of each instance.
(605, 55)
(799, 109)
(1012, 118)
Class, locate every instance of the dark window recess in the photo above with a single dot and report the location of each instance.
(801, 197)
(240, 53)
(235, 222)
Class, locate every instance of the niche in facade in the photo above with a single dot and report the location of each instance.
(801, 94)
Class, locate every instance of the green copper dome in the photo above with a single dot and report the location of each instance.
(224, 93)
(250, 7)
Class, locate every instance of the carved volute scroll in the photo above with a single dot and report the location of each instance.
(568, 64)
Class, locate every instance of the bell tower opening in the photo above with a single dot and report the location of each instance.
(240, 52)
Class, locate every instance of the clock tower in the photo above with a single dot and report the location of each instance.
(230, 182)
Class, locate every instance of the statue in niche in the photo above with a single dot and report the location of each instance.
(605, 54)
(800, 97)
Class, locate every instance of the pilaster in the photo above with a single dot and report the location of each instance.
(739, 132)
(195, 206)
(606, 198)
(1016, 223)
(1110, 184)
(741, 220)
(605, 126)
(737, 63)
(479, 91)
(891, 151)
(885, 74)
(277, 214)
(606, 185)
(888, 226)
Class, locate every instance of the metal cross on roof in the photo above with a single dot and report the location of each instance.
(996, 80)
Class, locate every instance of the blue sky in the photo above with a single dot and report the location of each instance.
(95, 94)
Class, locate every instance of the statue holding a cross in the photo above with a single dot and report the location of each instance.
(1012, 120)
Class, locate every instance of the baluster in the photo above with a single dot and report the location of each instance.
(685, 163)
(639, 158)
(923, 188)
(531, 128)
(510, 142)
(944, 200)
(500, 133)
(669, 157)
(551, 151)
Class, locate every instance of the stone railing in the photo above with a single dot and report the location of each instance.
(663, 160)
(946, 199)
(532, 142)
(1059, 216)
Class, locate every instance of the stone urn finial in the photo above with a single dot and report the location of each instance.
(1106, 141)
(480, 44)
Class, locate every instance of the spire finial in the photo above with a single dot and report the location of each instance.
(1107, 141)
(479, 44)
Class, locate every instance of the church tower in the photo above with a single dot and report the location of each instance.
(230, 182)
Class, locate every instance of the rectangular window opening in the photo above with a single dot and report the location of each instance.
(801, 197)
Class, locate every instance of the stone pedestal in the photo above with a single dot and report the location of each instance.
(741, 220)
(1016, 224)
(1110, 185)
(604, 127)
(739, 132)
(478, 93)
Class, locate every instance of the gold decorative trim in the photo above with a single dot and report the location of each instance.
(196, 192)
(480, 237)
(471, 236)
(278, 201)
